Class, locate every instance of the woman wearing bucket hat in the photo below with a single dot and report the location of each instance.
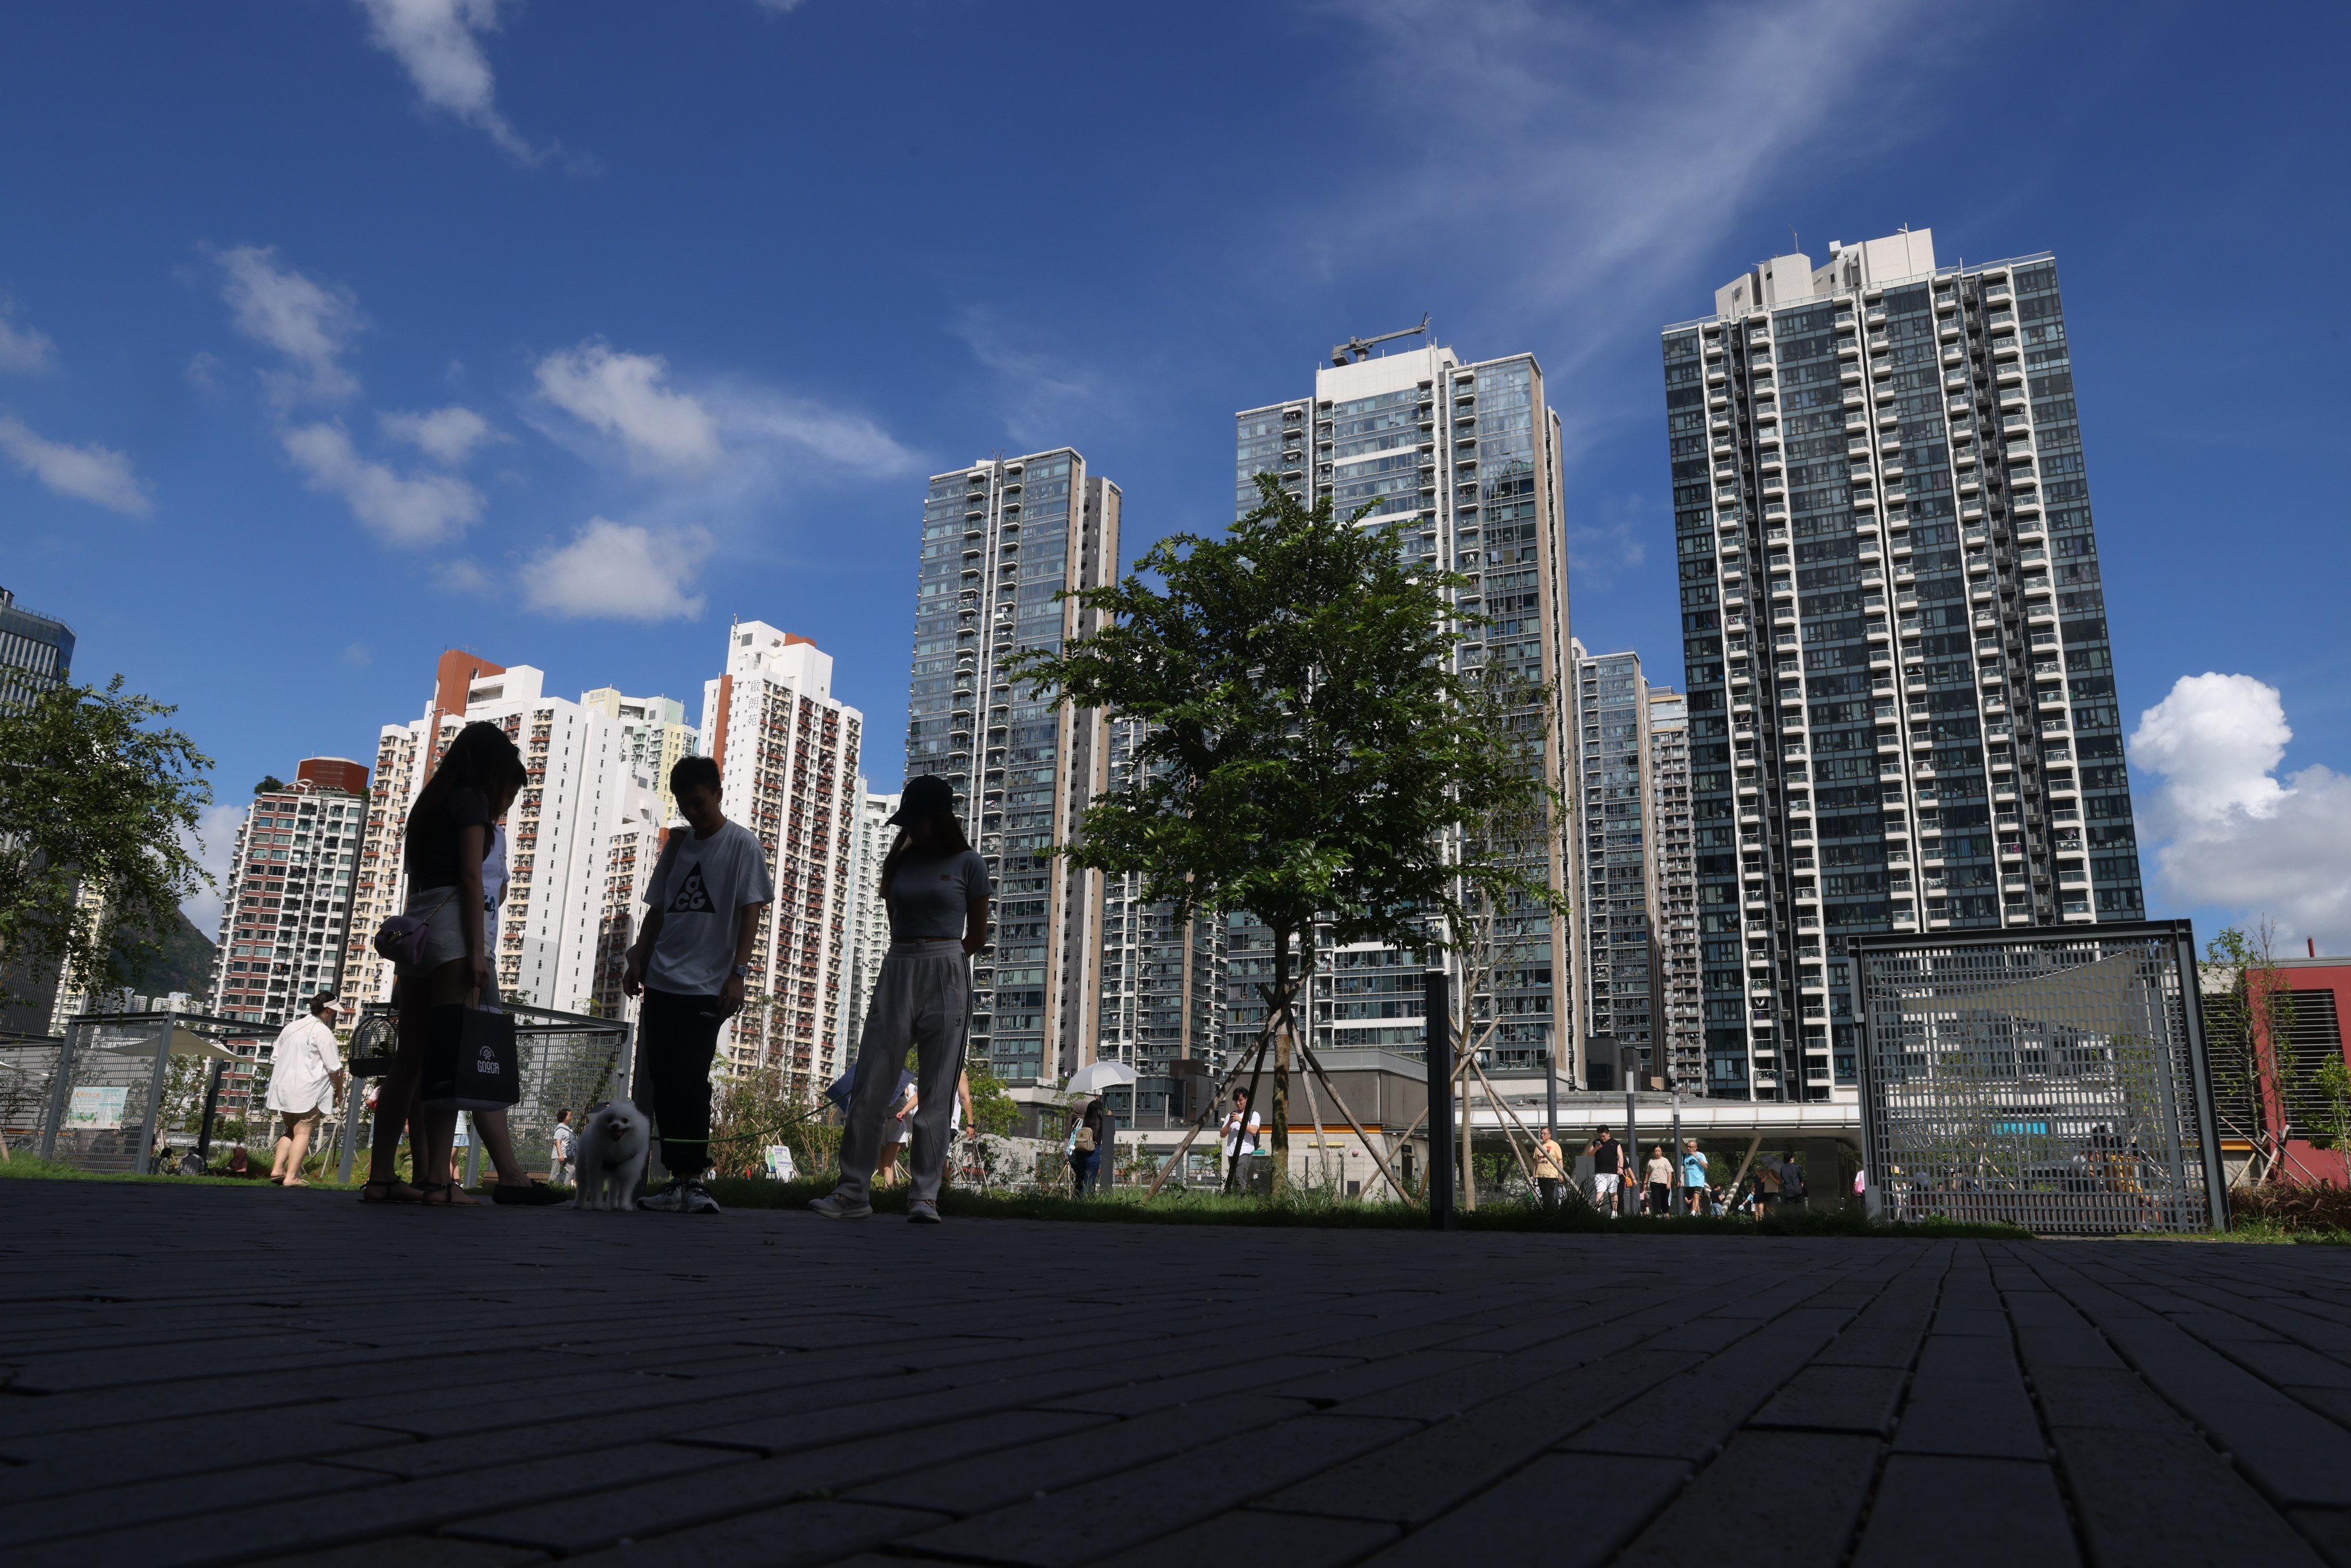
(938, 891)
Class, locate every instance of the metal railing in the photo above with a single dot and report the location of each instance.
(2054, 1078)
(564, 1062)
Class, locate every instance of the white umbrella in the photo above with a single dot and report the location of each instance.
(1096, 1076)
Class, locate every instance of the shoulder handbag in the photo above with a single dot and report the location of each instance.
(1085, 1140)
(469, 1060)
(401, 938)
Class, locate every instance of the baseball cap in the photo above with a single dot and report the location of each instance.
(928, 796)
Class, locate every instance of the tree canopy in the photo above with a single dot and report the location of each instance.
(98, 808)
(1310, 752)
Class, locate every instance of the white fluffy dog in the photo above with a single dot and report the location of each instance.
(612, 1160)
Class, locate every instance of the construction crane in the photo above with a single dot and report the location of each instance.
(1355, 349)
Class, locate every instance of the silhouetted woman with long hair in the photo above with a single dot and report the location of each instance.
(448, 835)
(938, 890)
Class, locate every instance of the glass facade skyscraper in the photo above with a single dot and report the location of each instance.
(1901, 691)
(1000, 539)
(1465, 459)
(1616, 855)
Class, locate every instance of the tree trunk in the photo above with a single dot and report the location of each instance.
(1284, 1021)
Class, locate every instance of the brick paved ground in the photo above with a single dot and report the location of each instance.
(200, 1375)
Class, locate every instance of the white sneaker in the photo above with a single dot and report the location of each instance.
(922, 1211)
(840, 1206)
(680, 1198)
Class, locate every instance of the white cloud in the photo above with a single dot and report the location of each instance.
(435, 42)
(750, 418)
(2235, 838)
(625, 395)
(448, 436)
(1609, 150)
(1042, 393)
(24, 348)
(404, 510)
(463, 576)
(311, 324)
(91, 472)
(618, 572)
(211, 845)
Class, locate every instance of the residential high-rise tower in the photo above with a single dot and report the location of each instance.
(1902, 702)
(1673, 897)
(1466, 458)
(787, 752)
(1000, 540)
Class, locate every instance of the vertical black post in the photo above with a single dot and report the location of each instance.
(211, 1103)
(1439, 1005)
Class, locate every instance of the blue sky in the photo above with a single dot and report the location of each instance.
(339, 332)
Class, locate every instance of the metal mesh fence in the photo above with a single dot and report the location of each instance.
(2051, 1078)
(564, 1060)
(28, 1069)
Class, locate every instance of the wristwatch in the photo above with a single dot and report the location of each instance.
(742, 971)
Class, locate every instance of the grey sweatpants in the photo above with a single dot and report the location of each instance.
(922, 998)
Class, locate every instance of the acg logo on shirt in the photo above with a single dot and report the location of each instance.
(692, 898)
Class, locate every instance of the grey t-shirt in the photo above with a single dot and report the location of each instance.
(929, 894)
(701, 886)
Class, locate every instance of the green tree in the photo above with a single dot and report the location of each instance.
(2253, 1023)
(97, 806)
(992, 1105)
(1310, 749)
(270, 784)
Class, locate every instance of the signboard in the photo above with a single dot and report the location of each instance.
(779, 1162)
(96, 1109)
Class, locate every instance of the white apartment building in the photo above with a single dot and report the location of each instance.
(787, 754)
(581, 790)
(656, 733)
(1902, 698)
(286, 911)
(869, 915)
(1673, 891)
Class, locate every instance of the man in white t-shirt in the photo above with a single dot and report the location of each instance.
(691, 962)
(306, 1078)
(1240, 1137)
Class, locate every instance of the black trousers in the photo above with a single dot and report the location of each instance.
(677, 1036)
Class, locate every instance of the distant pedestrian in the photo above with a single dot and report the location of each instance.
(1240, 1137)
(559, 1168)
(1791, 1181)
(691, 963)
(306, 1081)
(896, 1133)
(938, 890)
(1767, 1185)
(1660, 1174)
(1083, 1148)
(1694, 1169)
(1607, 1170)
(1551, 1163)
(1105, 1127)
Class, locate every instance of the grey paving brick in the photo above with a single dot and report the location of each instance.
(1967, 1399)
(668, 1503)
(1695, 1411)
(1417, 1478)
(1565, 1510)
(795, 1534)
(1107, 1516)
(2166, 1496)
(1773, 1500)
(1005, 1473)
(1945, 1512)
(411, 1552)
(1835, 1399)
(180, 1497)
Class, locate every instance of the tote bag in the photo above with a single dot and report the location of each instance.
(469, 1060)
